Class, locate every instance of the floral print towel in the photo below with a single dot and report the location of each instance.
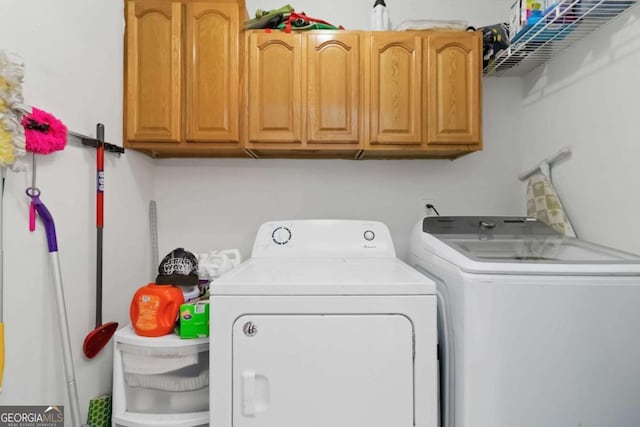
(543, 203)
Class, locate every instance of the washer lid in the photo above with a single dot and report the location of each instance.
(327, 276)
(520, 245)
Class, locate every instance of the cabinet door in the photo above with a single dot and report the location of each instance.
(153, 77)
(275, 88)
(396, 88)
(454, 76)
(212, 79)
(323, 371)
(333, 87)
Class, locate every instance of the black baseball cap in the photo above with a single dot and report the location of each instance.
(179, 267)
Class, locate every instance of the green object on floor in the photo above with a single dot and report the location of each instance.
(100, 411)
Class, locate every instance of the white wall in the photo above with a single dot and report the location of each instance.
(216, 204)
(588, 99)
(73, 55)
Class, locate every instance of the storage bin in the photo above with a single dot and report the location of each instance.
(166, 380)
(160, 381)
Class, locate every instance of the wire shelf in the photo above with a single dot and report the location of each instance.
(560, 27)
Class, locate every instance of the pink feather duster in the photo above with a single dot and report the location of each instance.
(44, 133)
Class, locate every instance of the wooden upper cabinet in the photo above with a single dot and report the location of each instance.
(154, 70)
(195, 85)
(212, 73)
(333, 87)
(395, 115)
(275, 88)
(454, 73)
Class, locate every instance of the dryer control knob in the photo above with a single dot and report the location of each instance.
(281, 236)
(369, 235)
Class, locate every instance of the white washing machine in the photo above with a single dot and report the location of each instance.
(538, 329)
(323, 326)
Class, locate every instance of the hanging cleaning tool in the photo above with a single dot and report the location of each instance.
(12, 146)
(12, 109)
(63, 322)
(46, 134)
(100, 336)
(380, 17)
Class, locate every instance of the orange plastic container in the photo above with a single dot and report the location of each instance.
(154, 309)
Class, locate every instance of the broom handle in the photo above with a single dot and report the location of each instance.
(63, 325)
(99, 220)
(63, 322)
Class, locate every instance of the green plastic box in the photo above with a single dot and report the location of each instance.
(194, 319)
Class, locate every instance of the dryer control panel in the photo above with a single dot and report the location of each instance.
(324, 239)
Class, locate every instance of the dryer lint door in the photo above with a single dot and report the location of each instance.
(323, 370)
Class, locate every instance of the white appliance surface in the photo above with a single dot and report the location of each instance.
(323, 326)
(323, 239)
(514, 245)
(334, 276)
(313, 388)
(532, 340)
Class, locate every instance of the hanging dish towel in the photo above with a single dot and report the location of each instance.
(543, 203)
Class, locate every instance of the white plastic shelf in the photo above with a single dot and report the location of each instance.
(565, 24)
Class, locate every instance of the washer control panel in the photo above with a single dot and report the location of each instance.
(323, 238)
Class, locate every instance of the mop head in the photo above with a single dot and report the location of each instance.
(12, 109)
(44, 132)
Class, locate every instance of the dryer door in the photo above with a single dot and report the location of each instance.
(323, 370)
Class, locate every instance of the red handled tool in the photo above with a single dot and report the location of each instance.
(100, 336)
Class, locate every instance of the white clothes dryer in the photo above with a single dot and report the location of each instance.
(323, 326)
(536, 329)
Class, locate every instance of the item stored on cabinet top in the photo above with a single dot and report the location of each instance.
(287, 19)
(268, 18)
(179, 267)
(154, 309)
(300, 21)
(433, 24)
(380, 17)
